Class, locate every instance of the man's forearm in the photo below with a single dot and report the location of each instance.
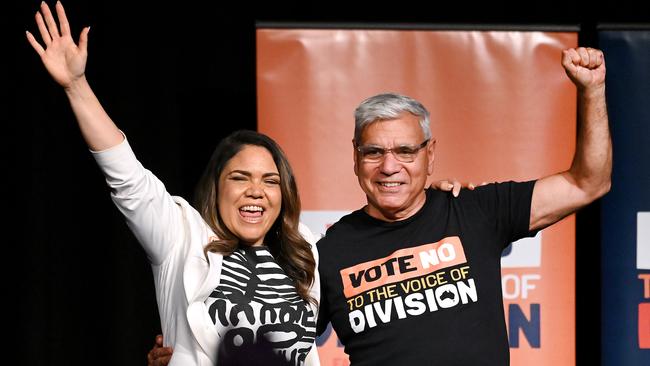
(592, 162)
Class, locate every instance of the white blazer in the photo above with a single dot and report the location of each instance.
(173, 234)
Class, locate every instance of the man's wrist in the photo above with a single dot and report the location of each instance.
(593, 92)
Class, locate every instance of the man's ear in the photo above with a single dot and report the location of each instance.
(354, 157)
(431, 146)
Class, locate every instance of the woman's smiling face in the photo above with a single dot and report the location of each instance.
(249, 196)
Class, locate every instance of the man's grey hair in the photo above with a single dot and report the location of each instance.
(388, 106)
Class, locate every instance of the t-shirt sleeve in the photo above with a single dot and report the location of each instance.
(507, 206)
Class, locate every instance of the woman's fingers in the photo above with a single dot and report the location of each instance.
(451, 184)
(49, 20)
(457, 186)
(43, 29)
(454, 185)
(37, 46)
(443, 185)
(83, 40)
(63, 20)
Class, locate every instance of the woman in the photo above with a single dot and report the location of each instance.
(236, 279)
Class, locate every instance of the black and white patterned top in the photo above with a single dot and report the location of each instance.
(257, 312)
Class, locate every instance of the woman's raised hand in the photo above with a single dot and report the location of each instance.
(63, 59)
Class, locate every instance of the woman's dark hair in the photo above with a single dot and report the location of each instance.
(291, 251)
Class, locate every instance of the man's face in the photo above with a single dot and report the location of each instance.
(394, 189)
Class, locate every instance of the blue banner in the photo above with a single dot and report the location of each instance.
(626, 209)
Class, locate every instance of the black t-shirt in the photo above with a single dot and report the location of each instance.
(425, 290)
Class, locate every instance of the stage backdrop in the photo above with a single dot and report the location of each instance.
(501, 108)
(626, 209)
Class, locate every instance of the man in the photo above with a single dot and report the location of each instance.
(413, 278)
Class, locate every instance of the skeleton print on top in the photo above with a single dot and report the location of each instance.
(258, 313)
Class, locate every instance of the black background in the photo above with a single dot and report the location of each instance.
(176, 78)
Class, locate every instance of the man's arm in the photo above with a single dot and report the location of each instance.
(589, 177)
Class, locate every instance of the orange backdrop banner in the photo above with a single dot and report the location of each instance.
(501, 109)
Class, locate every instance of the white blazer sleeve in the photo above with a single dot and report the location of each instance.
(150, 211)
